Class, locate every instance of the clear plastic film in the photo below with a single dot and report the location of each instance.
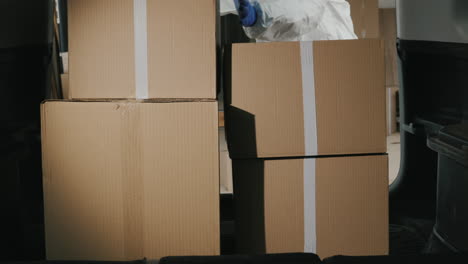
(301, 20)
(227, 7)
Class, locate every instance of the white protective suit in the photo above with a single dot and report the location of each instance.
(299, 20)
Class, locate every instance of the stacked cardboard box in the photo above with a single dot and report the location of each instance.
(138, 177)
(142, 49)
(365, 15)
(306, 130)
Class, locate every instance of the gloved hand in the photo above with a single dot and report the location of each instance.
(247, 13)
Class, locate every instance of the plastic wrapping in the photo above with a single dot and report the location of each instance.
(227, 7)
(301, 20)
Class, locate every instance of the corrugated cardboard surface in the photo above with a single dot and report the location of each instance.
(181, 48)
(101, 49)
(365, 15)
(124, 181)
(265, 117)
(351, 205)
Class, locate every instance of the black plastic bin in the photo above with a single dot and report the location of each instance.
(451, 227)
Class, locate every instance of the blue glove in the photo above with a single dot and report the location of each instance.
(247, 13)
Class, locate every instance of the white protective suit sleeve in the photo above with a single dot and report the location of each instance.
(301, 20)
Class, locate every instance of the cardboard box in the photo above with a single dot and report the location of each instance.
(65, 85)
(142, 49)
(328, 206)
(365, 15)
(126, 181)
(294, 99)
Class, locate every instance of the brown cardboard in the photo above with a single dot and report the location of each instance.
(181, 49)
(365, 15)
(221, 119)
(265, 113)
(65, 85)
(126, 181)
(351, 205)
(388, 28)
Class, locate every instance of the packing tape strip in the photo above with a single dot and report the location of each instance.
(310, 223)
(141, 48)
(308, 96)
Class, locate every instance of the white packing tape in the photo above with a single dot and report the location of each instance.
(308, 96)
(141, 48)
(310, 231)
